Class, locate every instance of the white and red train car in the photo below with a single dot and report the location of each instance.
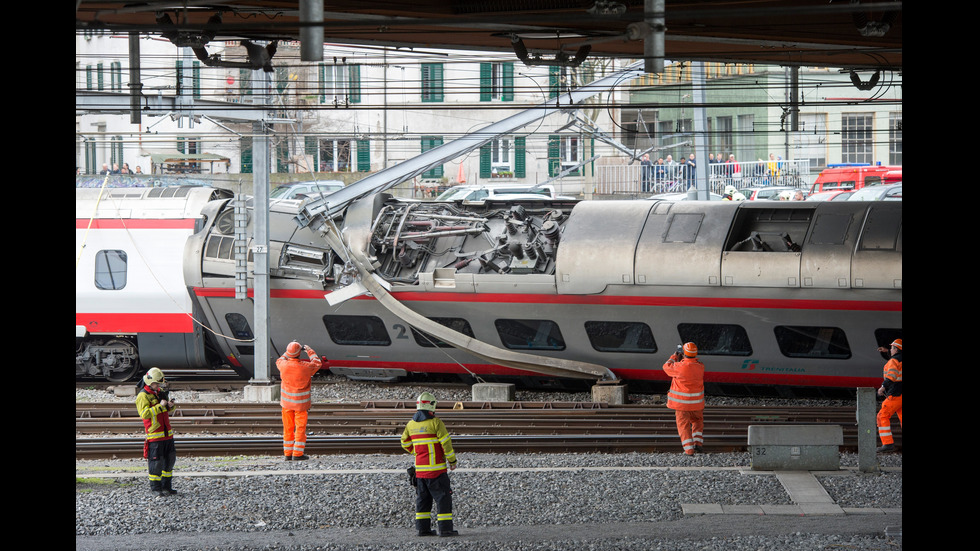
(777, 294)
(132, 306)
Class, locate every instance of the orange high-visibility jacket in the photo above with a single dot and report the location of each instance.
(687, 384)
(431, 445)
(295, 373)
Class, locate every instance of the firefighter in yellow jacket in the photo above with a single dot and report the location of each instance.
(891, 389)
(154, 407)
(686, 396)
(295, 398)
(427, 439)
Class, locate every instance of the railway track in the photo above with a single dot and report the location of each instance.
(114, 429)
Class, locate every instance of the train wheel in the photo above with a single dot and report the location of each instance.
(119, 368)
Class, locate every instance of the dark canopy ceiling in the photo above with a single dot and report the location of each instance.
(829, 33)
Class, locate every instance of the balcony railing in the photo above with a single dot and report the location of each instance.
(678, 177)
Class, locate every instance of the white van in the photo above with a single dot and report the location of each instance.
(484, 192)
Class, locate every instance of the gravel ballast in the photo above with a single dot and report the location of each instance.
(501, 501)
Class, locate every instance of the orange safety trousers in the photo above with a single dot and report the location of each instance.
(294, 432)
(690, 427)
(891, 406)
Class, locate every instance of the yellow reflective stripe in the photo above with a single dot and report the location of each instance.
(423, 516)
(444, 516)
(432, 467)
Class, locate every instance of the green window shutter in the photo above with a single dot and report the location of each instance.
(181, 144)
(520, 166)
(430, 142)
(101, 77)
(282, 78)
(322, 77)
(244, 82)
(178, 83)
(508, 94)
(246, 145)
(115, 70)
(89, 77)
(432, 87)
(554, 155)
(196, 72)
(485, 81)
(363, 156)
(311, 147)
(282, 156)
(485, 161)
(554, 74)
(354, 79)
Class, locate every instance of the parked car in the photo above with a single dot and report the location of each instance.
(831, 195)
(766, 193)
(852, 176)
(883, 192)
(471, 193)
(680, 197)
(301, 190)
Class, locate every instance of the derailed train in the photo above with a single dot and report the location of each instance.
(774, 293)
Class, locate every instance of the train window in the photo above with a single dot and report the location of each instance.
(716, 339)
(683, 228)
(830, 229)
(456, 324)
(239, 326)
(884, 338)
(769, 230)
(110, 270)
(797, 341)
(620, 336)
(357, 330)
(882, 231)
(530, 334)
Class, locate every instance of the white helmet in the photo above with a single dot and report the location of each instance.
(730, 190)
(426, 401)
(154, 375)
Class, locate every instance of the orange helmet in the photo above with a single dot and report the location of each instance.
(690, 349)
(897, 343)
(293, 349)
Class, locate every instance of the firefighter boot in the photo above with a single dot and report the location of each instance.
(167, 487)
(446, 529)
(424, 527)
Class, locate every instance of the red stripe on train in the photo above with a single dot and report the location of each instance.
(135, 224)
(135, 323)
(746, 377)
(602, 300)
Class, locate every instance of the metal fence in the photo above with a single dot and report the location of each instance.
(636, 179)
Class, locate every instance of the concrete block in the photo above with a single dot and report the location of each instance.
(795, 447)
(493, 392)
(610, 394)
(261, 393)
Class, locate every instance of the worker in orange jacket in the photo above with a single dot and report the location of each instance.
(891, 389)
(686, 396)
(295, 398)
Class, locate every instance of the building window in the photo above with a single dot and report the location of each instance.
(895, 139)
(110, 270)
(812, 139)
(716, 339)
(340, 84)
(459, 325)
(857, 144)
(357, 330)
(564, 152)
(812, 342)
(529, 334)
(722, 136)
(497, 81)
(432, 82)
(620, 336)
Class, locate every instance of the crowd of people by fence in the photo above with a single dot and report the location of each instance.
(667, 175)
